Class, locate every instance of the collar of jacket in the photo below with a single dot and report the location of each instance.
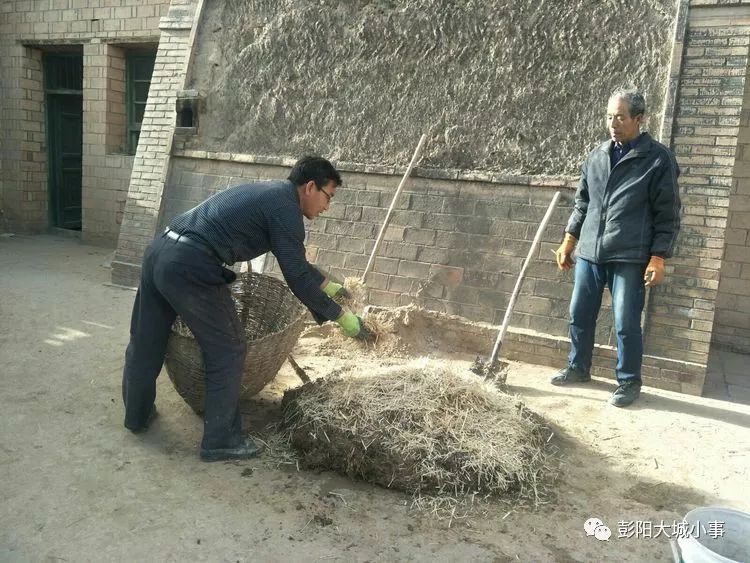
(643, 146)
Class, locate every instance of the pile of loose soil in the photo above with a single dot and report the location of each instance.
(438, 434)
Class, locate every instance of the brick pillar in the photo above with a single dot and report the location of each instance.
(151, 164)
(704, 138)
(94, 135)
(732, 317)
(10, 135)
(24, 147)
(104, 125)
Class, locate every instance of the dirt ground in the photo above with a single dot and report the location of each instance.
(77, 487)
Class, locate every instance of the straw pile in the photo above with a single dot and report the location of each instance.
(440, 435)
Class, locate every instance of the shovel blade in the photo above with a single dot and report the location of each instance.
(496, 371)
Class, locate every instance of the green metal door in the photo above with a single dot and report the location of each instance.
(65, 136)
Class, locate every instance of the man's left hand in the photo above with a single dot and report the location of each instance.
(655, 272)
(333, 289)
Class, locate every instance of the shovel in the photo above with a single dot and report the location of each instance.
(494, 368)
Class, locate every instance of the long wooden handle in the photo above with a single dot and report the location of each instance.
(387, 220)
(519, 281)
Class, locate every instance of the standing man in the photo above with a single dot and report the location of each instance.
(183, 274)
(625, 222)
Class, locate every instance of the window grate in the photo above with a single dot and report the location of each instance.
(140, 67)
(63, 72)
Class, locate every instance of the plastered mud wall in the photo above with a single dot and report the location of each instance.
(509, 86)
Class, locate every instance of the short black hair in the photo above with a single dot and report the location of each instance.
(315, 168)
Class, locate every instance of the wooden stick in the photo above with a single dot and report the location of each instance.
(298, 370)
(517, 288)
(387, 220)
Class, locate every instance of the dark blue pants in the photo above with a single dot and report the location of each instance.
(625, 282)
(177, 279)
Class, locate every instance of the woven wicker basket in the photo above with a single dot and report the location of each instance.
(273, 319)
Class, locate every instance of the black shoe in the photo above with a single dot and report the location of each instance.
(570, 375)
(626, 393)
(245, 450)
(151, 416)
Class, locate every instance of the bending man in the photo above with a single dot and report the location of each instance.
(183, 274)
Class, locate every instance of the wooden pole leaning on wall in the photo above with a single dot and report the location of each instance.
(387, 220)
(519, 281)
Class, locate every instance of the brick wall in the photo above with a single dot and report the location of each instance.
(711, 92)
(27, 28)
(455, 244)
(114, 61)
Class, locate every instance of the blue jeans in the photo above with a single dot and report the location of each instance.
(625, 282)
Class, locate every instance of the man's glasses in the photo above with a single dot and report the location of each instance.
(329, 197)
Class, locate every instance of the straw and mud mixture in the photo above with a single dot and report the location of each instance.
(444, 436)
(408, 332)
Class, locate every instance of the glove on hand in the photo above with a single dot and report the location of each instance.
(333, 289)
(655, 272)
(350, 324)
(353, 326)
(564, 253)
(364, 333)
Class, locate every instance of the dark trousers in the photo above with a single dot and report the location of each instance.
(177, 279)
(625, 282)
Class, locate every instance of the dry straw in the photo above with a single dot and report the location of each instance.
(441, 435)
(358, 291)
(356, 302)
(357, 298)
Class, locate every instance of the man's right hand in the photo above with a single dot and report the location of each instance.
(353, 326)
(564, 254)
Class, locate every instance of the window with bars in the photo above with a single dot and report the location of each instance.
(63, 72)
(140, 67)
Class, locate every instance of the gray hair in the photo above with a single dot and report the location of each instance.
(636, 100)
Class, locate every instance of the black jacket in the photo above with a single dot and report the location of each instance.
(631, 211)
(246, 221)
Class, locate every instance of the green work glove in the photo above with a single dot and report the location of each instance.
(333, 289)
(350, 323)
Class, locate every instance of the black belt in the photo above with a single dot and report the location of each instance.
(177, 237)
